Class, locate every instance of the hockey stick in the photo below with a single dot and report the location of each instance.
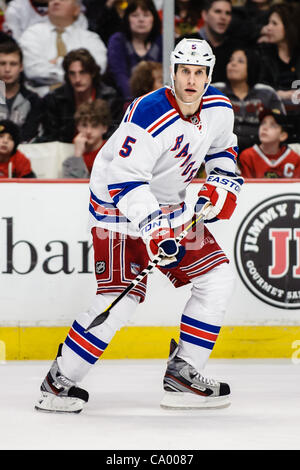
(103, 316)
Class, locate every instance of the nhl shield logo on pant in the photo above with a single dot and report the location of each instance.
(100, 267)
(267, 251)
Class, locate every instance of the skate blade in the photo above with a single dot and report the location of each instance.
(189, 401)
(50, 403)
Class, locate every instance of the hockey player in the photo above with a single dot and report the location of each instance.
(137, 193)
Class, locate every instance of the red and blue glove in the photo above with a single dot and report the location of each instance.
(221, 189)
(160, 239)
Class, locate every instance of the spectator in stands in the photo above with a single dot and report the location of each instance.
(20, 14)
(20, 105)
(83, 83)
(105, 17)
(2, 11)
(92, 122)
(217, 15)
(13, 163)
(281, 53)
(188, 18)
(5, 37)
(45, 44)
(247, 95)
(249, 19)
(272, 158)
(140, 40)
(146, 76)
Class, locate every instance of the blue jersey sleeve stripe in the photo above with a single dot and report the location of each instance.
(109, 205)
(208, 158)
(125, 184)
(123, 188)
(109, 219)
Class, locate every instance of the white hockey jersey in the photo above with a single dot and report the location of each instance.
(144, 168)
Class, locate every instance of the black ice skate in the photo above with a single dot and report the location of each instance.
(59, 394)
(186, 388)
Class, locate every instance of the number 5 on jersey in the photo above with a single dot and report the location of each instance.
(127, 147)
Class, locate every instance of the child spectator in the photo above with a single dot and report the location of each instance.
(83, 83)
(92, 121)
(13, 163)
(21, 105)
(272, 158)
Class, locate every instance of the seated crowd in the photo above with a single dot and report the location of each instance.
(70, 68)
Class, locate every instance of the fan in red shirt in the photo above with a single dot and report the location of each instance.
(271, 158)
(92, 121)
(13, 163)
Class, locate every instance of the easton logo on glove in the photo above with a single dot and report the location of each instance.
(221, 189)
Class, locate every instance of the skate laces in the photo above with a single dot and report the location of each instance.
(64, 381)
(202, 379)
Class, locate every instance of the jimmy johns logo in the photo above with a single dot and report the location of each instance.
(267, 251)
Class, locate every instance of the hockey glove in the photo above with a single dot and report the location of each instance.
(221, 189)
(159, 239)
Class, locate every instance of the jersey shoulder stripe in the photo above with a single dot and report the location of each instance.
(215, 98)
(231, 153)
(153, 112)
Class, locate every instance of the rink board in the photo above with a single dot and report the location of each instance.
(46, 274)
(240, 342)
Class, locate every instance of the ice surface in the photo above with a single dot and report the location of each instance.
(124, 413)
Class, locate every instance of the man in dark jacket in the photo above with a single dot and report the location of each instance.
(18, 103)
(217, 15)
(83, 84)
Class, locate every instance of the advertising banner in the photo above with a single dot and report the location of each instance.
(46, 257)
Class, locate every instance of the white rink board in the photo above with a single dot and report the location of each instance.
(53, 216)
